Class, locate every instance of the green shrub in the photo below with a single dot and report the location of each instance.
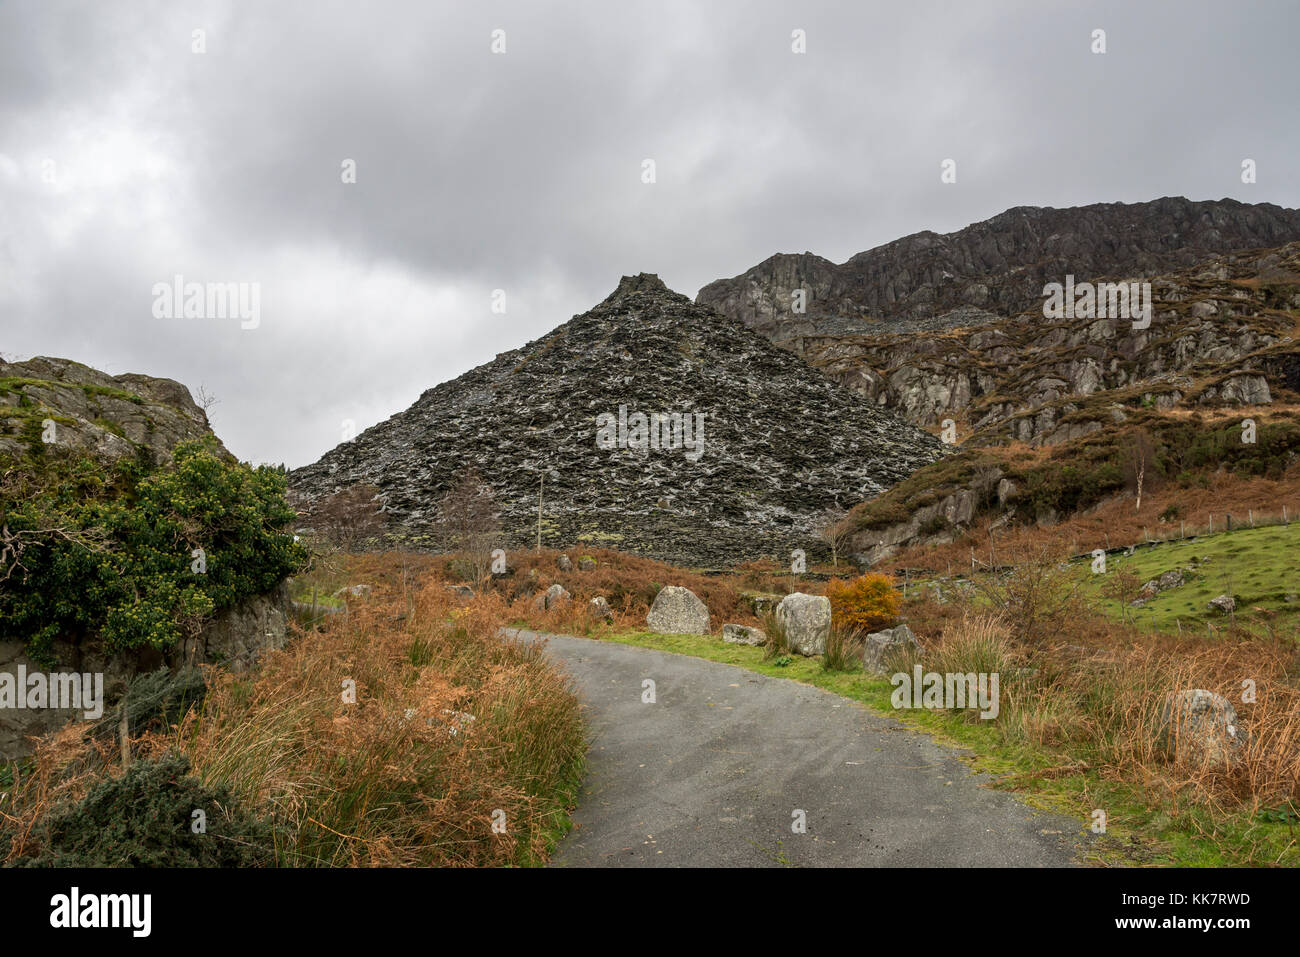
(145, 818)
(109, 551)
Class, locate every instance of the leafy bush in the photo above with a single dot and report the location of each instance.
(102, 550)
(866, 603)
(145, 818)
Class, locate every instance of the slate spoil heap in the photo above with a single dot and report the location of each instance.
(782, 443)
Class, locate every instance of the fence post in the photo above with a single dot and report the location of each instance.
(124, 734)
(1250, 513)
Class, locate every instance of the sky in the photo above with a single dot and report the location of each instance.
(499, 153)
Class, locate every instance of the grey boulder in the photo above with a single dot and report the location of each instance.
(743, 635)
(678, 611)
(1200, 727)
(806, 622)
(882, 647)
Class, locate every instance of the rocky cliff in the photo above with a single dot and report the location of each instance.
(993, 268)
(1221, 333)
(768, 445)
(92, 411)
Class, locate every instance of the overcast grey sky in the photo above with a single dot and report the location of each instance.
(127, 158)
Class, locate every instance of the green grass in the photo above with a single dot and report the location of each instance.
(1259, 566)
(1138, 832)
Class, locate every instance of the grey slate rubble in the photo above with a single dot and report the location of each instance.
(782, 442)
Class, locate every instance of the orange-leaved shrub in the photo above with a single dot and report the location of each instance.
(866, 603)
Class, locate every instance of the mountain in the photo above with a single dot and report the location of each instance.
(990, 269)
(781, 444)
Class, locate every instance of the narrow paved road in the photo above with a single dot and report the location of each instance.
(713, 773)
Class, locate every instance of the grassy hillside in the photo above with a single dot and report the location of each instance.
(1259, 567)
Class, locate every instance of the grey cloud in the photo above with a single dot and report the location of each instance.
(522, 171)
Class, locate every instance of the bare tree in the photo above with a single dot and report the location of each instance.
(205, 399)
(467, 522)
(835, 530)
(349, 518)
(1139, 464)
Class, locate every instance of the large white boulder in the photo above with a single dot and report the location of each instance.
(806, 622)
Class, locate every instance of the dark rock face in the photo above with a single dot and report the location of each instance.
(781, 443)
(999, 266)
(1220, 334)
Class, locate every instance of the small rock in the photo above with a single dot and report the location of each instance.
(586, 563)
(1224, 603)
(743, 635)
(460, 591)
(881, 646)
(565, 564)
(806, 622)
(678, 611)
(1170, 579)
(598, 608)
(553, 596)
(354, 590)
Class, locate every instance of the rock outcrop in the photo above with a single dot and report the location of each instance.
(108, 416)
(765, 445)
(61, 404)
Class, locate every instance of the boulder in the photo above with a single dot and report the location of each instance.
(598, 609)
(1224, 603)
(743, 635)
(881, 647)
(565, 563)
(553, 596)
(1170, 579)
(805, 621)
(586, 563)
(678, 611)
(353, 591)
(1200, 727)
(460, 591)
